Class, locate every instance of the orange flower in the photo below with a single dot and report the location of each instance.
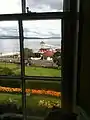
(33, 91)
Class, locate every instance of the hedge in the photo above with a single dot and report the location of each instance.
(56, 86)
(10, 83)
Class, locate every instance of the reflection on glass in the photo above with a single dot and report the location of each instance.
(9, 49)
(45, 5)
(42, 48)
(41, 97)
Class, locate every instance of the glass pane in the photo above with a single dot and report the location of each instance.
(45, 5)
(9, 49)
(10, 96)
(10, 6)
(41, 97)
(42, 48)
(10, 89)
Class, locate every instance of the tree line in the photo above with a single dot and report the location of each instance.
(28, 53)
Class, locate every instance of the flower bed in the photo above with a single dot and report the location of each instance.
(49, 104)
(31, 91)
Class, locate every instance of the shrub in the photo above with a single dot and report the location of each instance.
(44, 85)
(10, 83)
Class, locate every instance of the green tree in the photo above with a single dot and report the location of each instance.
(28, 53)
(57, 58)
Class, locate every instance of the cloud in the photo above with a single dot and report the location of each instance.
(33, 28)
(45, 28)
(52, 4)
(10, 6)
(14, 6)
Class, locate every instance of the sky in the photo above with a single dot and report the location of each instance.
(31, 28)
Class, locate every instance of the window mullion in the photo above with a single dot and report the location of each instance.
(21, 37)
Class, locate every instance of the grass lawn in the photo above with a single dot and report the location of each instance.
(31, 101)
(33, 71)
(39, 71)
(5, 97)
(9, 65)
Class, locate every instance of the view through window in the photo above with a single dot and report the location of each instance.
(42, 52)
(42, 47)
(42, 58)
(10, 66)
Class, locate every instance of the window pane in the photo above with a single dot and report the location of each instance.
(9, 49)
(45, 5)
(10, 96)
(10, 89)
(10, 6)
(42, 48)
(41, 96)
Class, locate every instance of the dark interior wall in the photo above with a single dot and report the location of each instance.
(84, 94)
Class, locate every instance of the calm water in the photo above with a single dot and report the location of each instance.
(12, 45)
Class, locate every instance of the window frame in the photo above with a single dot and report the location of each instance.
(68, 17)
(23, 77)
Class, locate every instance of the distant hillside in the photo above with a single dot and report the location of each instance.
(17, 37)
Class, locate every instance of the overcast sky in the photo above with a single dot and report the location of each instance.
(14, 6)
(45, 5)
(47, 27)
